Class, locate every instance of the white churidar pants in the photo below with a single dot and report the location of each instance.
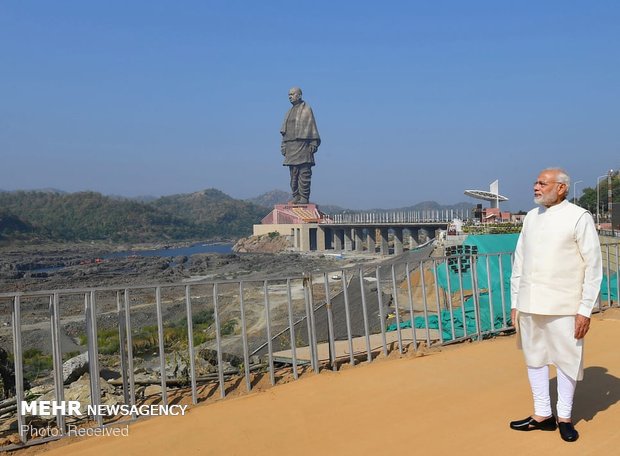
(550, 339)
(539, 382)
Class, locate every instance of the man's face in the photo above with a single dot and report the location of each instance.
(547, 190)
(294, 95)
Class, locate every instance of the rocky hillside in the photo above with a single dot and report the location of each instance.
(265, 243)
(213, 212)
(91, 216)
(270, 199)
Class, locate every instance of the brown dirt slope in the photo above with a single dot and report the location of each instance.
(457, 401)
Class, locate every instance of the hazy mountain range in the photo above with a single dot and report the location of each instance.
(50, 214)
(273, 197)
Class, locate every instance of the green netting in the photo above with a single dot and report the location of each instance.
(469, 322)
(613, 285)
(493, 243)
(486, 244)
(491, 317)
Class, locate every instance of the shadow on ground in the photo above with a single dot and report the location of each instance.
(597, 392)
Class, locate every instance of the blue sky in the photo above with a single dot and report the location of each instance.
(414, 100)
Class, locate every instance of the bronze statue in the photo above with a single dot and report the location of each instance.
(300, 141)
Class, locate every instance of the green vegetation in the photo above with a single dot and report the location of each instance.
(492, 228)
(228, 327)
(273, 234)
(89, 216)
(36, 364)
(69, 355)
(108, 341)
(203, 317)
(146, 339)
(12, 226)
(214, 212)
(589, 195)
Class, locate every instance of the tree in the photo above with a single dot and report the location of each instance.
(588, 198)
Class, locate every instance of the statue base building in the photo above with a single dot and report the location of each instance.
(300, 221)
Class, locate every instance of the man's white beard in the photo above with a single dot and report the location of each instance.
(544, 200)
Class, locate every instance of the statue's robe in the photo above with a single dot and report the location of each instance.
(300, 137)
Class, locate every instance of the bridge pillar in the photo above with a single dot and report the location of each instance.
(348, 239)
(423, 235)
(338, 239)
(320, 239)
(304, 239)
(371, 240)
(413, 238)
(384, 248)
(359, 246)
(296, 242)
(398, 241)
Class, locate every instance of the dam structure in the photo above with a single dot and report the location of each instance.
(372, 232)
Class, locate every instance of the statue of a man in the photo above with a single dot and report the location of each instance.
(300, 141)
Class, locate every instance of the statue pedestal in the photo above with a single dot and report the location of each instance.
(293, 214)
(303, 222)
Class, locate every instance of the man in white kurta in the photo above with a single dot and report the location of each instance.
(555, 282)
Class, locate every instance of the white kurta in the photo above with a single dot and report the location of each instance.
(549, 339)
(557, 268)
(557, 273)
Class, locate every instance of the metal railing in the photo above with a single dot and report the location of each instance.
(609, 233)
(195, 339)
(400, 217)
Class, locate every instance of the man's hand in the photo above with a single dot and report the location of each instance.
(513, 317)
(582, 324)
(283, 149)
(313, 149)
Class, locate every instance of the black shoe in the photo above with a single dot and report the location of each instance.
(568, 432)
(530, 424)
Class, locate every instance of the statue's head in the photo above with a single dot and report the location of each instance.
(294, 95)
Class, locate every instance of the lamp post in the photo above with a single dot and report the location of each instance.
(598, 196)
(575, 191)
(610, 198)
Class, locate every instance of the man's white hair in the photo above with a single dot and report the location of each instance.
(563, 177)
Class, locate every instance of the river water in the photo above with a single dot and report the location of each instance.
(176, 251)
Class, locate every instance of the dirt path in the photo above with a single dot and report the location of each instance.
(457, 401)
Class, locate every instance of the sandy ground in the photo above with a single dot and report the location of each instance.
(455, 401)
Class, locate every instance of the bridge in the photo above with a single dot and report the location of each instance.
(370, 232)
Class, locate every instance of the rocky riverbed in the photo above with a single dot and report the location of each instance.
(31, 268)
(50, 267)
(83, 266)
